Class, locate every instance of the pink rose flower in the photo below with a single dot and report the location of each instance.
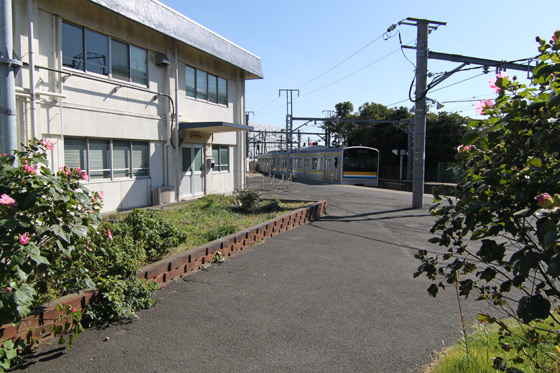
(78, 170)
(9, 289)
(109, 234)
(482, 105)
(24, 238)
(73, 309)
(48, 144)
(7, 200)
(85, 177)
(4, 154)
(100, 194)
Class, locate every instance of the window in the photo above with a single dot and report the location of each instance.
(138, 65)
(203, 86)
(99, 159)
(190, 81)
(222, 91)
(107, 159)
(119, 60)
(220, 153)
(97, 53)
(87, 50)
(314, 163)
(72, 46)
(212, 88)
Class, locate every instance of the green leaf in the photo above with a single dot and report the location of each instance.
(61, 231)
(470, 137)
(554, 101)
(433, 290)
(554, 265)
(24, 294)
(80, 230)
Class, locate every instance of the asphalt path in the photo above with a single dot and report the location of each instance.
(335, 295)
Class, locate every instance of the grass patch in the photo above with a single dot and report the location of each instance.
(491, 349)
(214, 216)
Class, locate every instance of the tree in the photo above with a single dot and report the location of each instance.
(501, 231)
(444, 132)
(340, 130)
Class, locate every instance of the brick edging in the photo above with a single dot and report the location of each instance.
(168, 269)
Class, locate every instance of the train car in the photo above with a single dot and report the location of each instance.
(356, 165)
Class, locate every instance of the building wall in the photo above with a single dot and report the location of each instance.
(97, 107)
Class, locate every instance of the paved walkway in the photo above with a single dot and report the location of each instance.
(336, 295)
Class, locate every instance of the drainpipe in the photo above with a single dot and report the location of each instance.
(9, 68)
(32, 101)
(177, 148)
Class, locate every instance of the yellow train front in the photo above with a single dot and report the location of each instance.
(356, 165)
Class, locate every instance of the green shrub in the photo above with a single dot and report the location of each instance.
(120, 299)
(220, 231)
(150, 232)
(248, 199)
(501, 232)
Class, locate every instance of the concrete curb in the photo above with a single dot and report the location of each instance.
(166, 270)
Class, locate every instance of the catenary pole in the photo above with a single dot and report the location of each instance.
(420, 115)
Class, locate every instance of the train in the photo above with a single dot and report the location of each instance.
(355, 165)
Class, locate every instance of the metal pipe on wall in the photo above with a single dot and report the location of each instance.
(9, 68)
(33, 99)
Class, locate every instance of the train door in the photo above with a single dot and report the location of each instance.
(306, 167)
(192, 165)
(327, 169)
(336, 170)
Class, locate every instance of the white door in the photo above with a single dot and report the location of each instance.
(192, 166)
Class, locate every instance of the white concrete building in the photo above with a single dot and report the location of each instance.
(140, 96)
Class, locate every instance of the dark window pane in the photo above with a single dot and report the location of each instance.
(119, 60)
(121, 159)
(75, 153)
(72, 46)
(224, 158)
(216, 156)
(222, 91)
(97, 56)
(197, 159)
(201, 85)
(140, 162)
(138, 67)
(212, 89)
(186, 159)
(190, 81)
(99, 159)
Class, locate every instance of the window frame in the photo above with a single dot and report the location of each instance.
(110, 173)
(83, 64)
(219, 165)
(204, 86)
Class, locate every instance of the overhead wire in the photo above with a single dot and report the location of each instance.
(344, 60)
(385, 35)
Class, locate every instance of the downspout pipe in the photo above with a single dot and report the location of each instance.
(9, 68)
(30, 38)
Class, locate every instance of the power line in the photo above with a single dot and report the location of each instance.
(267, 105)
(344, 60)
(355, 72)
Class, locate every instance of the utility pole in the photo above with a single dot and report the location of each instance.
(9, 68)
(423, 27)
(289, 125)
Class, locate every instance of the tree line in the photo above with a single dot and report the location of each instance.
(444, 131)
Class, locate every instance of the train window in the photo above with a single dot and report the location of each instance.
(360, 160)
(314, 163)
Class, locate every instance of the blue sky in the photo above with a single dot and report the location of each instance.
(299, 40)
